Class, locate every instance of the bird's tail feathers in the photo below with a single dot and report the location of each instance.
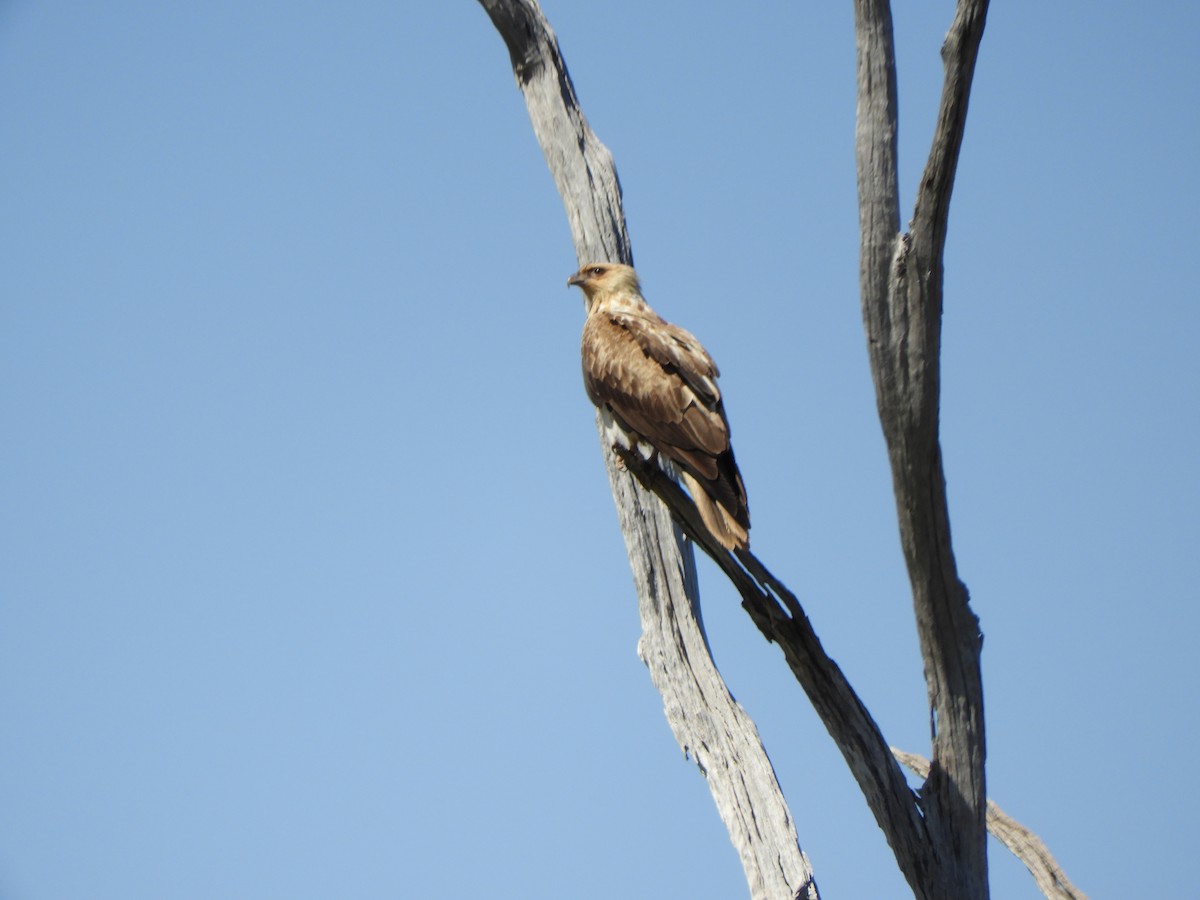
(730, 533)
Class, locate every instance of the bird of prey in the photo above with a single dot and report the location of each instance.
(656, 383)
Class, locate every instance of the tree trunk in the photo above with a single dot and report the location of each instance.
(706, 721)
(939, 838)
(901, 284)
(1026, 846)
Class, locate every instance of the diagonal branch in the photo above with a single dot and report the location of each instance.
(705, 719)
(960, 50)
(940, 842)
(781, 619)
(1026, 846)
(581, 166)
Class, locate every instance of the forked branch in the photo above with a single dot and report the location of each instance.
(1026, 846)
(781, 619)
(938, 838)
(901, 287)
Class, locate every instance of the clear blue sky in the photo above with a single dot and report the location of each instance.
(311, 581)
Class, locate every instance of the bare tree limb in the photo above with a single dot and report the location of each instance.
(960, 50)
(875, 147)
(902, 304)
(1026, 846)
(939, 839)
(705, 719)
(781, 619)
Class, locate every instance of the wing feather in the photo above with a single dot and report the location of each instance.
(660, 383)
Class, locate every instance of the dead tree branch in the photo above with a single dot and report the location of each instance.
(781, 619)
(901, 285)
(939, 833)
(1026, 846)
(705, 719)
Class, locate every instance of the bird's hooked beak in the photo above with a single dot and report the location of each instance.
(576, 280)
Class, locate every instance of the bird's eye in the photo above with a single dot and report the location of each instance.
(597, 270)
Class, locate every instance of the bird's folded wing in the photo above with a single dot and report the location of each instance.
(660, 383)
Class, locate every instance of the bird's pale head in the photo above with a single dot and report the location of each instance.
(605, 278)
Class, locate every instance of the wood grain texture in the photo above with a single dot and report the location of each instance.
(938, 834)
(708, 724)
(901, 288)
(1026, 846)
(780, 617)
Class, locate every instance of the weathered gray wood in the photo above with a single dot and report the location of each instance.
(938, 839)
(1026, 846)
(781, 619)
(901, 286)
(706, 721)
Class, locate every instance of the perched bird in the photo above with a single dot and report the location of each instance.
(659, 386)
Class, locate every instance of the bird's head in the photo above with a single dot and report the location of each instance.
(605, 278)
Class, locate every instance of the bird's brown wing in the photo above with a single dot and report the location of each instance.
(660, 383)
